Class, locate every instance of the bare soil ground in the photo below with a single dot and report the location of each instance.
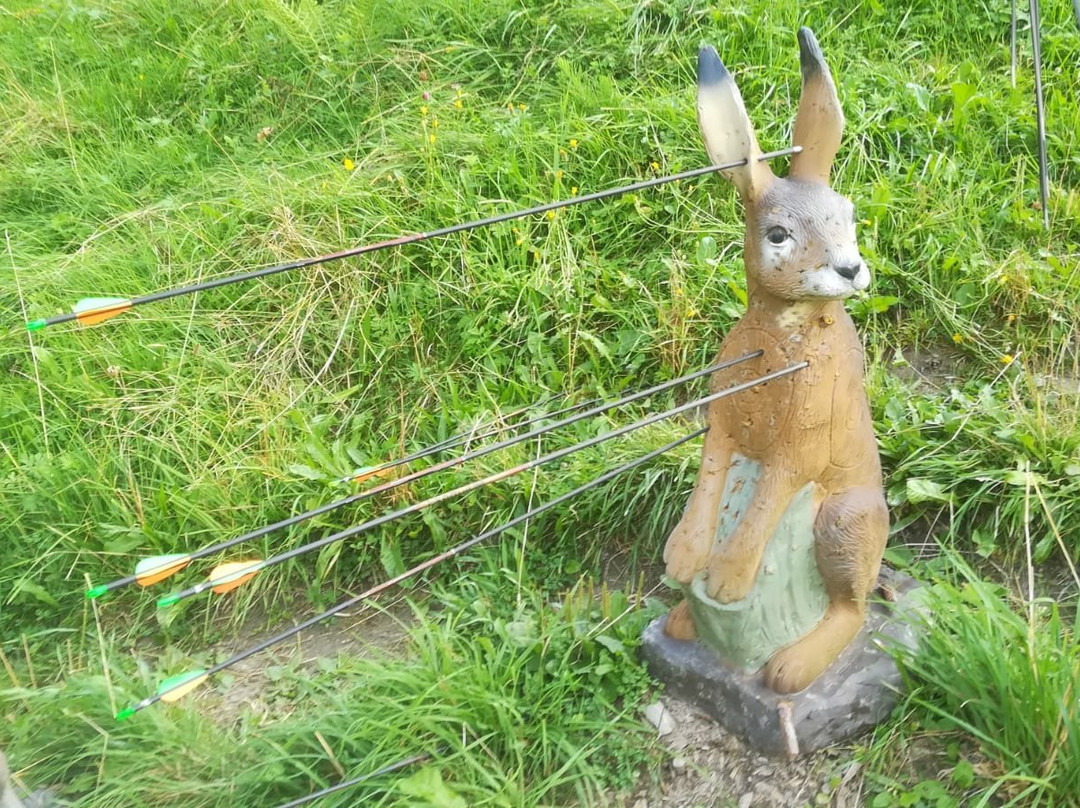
(710, 768)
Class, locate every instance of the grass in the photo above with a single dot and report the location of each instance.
(521, 703)
(153, 144)
(1003, 675)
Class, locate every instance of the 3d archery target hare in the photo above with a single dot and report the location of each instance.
(800, 449)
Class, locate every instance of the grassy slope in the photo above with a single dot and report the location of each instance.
(147, 145)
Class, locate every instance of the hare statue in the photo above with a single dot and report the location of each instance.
(796, 456)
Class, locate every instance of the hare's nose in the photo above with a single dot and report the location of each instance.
(849, 271)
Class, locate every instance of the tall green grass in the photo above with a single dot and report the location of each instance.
(520, 702)
(146, 145)
(1003, 675)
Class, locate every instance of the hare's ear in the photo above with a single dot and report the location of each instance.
(820, 121)
(725, 127)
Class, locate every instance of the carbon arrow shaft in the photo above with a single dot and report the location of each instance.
(124, 305)
(393, 767)
(169, 600)
(431, 562)
(441, 466)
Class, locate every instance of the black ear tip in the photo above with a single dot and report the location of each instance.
(810, 55)
(710, 70)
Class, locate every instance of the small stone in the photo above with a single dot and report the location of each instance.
(642, 803)
(678, 765)
(657, 715)
(746, 800)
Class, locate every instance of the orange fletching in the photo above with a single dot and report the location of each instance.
(371, 474)
(228, 577)
(152, 570)
(94, 310)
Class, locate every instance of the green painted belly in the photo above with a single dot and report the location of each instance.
(788, 598)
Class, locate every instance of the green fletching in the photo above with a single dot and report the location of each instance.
(96, 592)
(36, 325)
(174, 682)
(125, 714)
(168, 600)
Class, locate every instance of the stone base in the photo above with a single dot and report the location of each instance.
(855, 693)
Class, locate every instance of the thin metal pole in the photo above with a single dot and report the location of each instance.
(1012, 45)
(124, 305)
(378, 521)
(1040, 113)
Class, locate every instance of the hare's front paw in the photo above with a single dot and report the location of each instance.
(730, 578)
(686, 552)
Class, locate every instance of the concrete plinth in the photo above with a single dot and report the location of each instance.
(857, 691)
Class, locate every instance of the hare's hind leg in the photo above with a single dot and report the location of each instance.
(680, 624)
(849, 538)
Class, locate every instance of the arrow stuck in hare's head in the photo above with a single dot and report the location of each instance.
(800, 234)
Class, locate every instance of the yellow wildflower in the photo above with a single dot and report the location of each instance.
(573, 191)
(523, 107)
(520, 241)
(690, 312)
(1006, 358)
(573, 143)
(551, 215)
(431, 138)
(349, 164)
(434, 123)
(458, 104)
(1012, 318)
(655, 166)
(957, 338)
(562, 153)
(558, 174)
(423, 110)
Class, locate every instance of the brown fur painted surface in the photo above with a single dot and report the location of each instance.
(801, 261)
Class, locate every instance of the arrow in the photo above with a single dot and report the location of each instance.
(369, 472)
(159, 563)
(228, 575)
(393, 767)
(155, 569)
(177, 687)
(97, 310)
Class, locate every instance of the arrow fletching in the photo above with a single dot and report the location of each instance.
(371, 473)
(152, 570)
(94, 310)
(227, 577)
(176, 687)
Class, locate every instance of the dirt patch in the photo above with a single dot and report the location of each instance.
(711, 768)
(929, 368)
(370, 631)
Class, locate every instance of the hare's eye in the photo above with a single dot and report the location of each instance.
(777, 235)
